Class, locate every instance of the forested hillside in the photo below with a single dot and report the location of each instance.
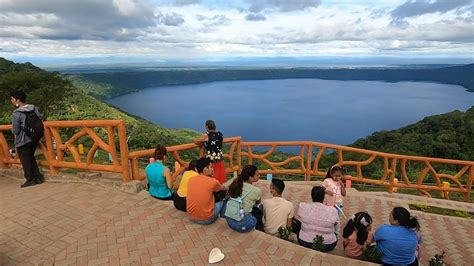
(59, 99)
(449, 135)
(124, 82)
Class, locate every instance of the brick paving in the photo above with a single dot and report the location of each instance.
(81, 224)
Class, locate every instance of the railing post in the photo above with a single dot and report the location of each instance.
(307, 176)
(122, 134)
(51, 156)
(239, 154)
(4, 153)
(470, 179)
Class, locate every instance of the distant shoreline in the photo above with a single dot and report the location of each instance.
(125, 82)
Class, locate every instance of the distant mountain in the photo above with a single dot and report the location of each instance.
(123, 82)
(7, 66)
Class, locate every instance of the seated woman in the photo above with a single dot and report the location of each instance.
(242, 188)
(357, 235)
(180, 196)
(398, 241)
(159, 176)
(317, 219)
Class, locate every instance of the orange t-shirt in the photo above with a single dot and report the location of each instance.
(200, 197)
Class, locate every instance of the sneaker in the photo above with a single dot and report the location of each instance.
(28, 183)
(39, 180)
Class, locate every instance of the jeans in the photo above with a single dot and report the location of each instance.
(217, 210)
(247, 223)
(28, 161)
(324, 247)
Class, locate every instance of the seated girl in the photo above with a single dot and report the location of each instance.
(398, 240)
(159, 176)
(357, 235)
(250, 195)
(180, 196)
(317, 219)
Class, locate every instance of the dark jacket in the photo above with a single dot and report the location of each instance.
(18, 123)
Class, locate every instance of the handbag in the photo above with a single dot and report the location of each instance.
(234, 208)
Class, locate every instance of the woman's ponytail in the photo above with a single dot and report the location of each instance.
(414, 224)
(348, 229)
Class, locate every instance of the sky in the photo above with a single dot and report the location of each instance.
(62, 31)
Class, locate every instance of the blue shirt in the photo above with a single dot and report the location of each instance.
(157, 180)
(398, 244)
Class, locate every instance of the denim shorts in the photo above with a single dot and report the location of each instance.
(247, 223)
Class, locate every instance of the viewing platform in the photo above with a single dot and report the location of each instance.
(68, 221)
(106, 219)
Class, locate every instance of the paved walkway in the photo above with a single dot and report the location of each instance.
(81, 224)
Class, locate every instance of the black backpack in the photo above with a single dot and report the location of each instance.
(33, 127)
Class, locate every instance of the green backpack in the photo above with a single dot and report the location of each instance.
(234, 207)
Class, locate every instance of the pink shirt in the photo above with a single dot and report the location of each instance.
(317, 219)
(352, 249)
(335, 187)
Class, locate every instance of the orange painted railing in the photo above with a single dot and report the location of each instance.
(233, 162)
(306, 162)
(309, 166)
(55, 146)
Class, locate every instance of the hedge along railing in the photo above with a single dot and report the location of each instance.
(232, 158)
(54, 155)
(309, 166)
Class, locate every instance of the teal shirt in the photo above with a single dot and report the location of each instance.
(157, 180)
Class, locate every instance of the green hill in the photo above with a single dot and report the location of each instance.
(449, 135)
(59, 99)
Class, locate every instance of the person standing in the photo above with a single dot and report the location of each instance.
(25, 142)
(212, 141)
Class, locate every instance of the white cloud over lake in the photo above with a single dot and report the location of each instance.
(215, 29)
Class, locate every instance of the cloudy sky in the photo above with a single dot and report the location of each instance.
(150, 30)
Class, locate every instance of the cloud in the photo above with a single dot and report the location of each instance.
(172, 19)
(257, 6)
(185, 2)
(413, 8)
(255, 17)
(167, 29)
(120, 20)
(213, 21)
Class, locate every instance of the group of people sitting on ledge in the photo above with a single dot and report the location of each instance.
(205, 199)
(200, 192)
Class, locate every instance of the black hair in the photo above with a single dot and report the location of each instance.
(404, 218)
(192, 165)
(235, 189)
(211, 125)
(360, 225)
(317, 194)
(278, 185)
(334, 169)
(160, 152)
(202, 163)
(19, 95)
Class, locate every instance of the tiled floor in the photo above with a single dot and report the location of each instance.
(81, 224)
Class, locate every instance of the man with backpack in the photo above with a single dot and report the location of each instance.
(28, 130)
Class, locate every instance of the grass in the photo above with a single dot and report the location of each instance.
(442, 211)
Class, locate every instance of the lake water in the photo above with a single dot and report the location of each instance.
(330, 111)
